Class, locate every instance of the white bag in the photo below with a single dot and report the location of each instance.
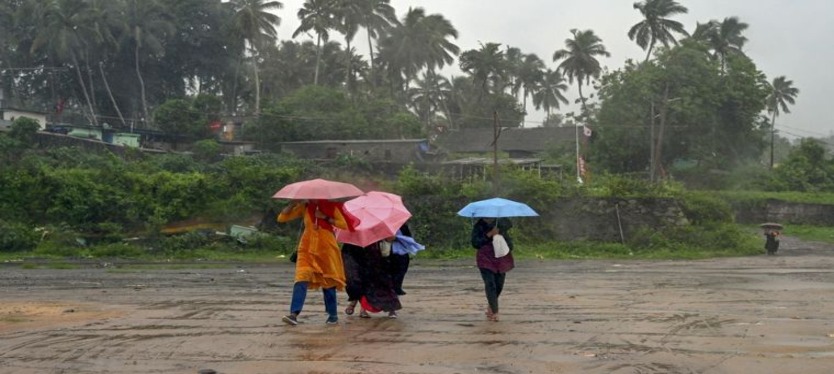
(500, 246)
(385, 248)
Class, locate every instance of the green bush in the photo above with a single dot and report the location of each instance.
(16, 237)
(702, 208)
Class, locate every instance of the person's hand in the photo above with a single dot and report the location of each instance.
(493, 232)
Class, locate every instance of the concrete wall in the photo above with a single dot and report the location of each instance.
(374, 151)
(601, 219)
(787, 213)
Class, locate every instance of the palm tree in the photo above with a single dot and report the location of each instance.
(418, 42)
(106, 24)
(656, 25)
(378, 16)
(59, 27)
(530, 76)
(723, 38)
(149, 25)
(782, 93)
(579, 59)
(348, 16)
(428, 96)
(486, 66)
(550, 93)
(317, 16)
(254, 22)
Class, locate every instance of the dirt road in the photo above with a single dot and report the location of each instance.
(740, 315)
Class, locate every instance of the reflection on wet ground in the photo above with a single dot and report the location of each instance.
(756, 314)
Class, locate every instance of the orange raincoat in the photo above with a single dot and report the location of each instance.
(319, 257)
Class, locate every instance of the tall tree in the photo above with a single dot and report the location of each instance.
(656, 25)
(420, 41)
(529, 77)
(549, 93)
(486, 66)
(579, 59)
(317, 16)
(724, 38)
(782, 93)
(256, 25)
(378, 16)
(149, 26)
(59, 32)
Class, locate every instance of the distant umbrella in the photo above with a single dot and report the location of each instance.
(771, 225)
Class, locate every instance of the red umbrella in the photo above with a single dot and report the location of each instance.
(317, 189)
(380, 215)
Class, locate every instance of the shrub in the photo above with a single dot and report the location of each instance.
(16, 236)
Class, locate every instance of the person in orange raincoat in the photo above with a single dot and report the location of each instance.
(319, 259)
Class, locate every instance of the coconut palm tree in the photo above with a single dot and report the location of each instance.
(656, 25)
(550, 93)
(530, 76)
(486, 66)
(723, 38)
(428, 96)
(317, 16)
(419, 41)
(148, 26)
(378, 16)
(58, 35)
(254, 22)
(579, 59)
(782, 93)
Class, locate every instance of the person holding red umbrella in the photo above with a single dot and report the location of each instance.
(319, 261)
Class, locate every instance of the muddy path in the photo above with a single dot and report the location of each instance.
(761, 314)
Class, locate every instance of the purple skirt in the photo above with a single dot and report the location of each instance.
(486, 260)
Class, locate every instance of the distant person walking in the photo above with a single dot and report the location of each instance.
(771, 240)
(489, 234)
(319, 260)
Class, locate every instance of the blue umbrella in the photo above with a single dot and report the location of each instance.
(497, 208)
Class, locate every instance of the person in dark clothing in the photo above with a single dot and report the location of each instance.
(369, 282)
(771, 241)
(398, 264)
(493, 269)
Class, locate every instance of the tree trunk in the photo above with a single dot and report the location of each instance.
(257, 82)
(110, 93)
(658, 148)
(772, 136)
(318, 57)
(92, 115)
(371, 53)
(147, 118)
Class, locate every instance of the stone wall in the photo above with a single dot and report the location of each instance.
(786, 213)
(608, 220)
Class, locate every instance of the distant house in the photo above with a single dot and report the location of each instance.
(395, 150)
(8, 115)
(518, 143)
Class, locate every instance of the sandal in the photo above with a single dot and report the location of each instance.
(350, 308)
(364, 314)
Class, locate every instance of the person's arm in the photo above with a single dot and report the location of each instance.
(482, 234)
(292, 211)
(338, 220)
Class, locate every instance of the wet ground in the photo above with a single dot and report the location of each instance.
(762, 314)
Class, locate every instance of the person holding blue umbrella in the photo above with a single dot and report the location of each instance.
(491, 239)
(486, 234)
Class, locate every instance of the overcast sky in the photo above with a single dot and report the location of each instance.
(785, 37)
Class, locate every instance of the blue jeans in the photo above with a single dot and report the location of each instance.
(299, 294)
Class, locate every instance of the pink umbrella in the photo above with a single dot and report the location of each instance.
(317, 189)
(380, 214)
